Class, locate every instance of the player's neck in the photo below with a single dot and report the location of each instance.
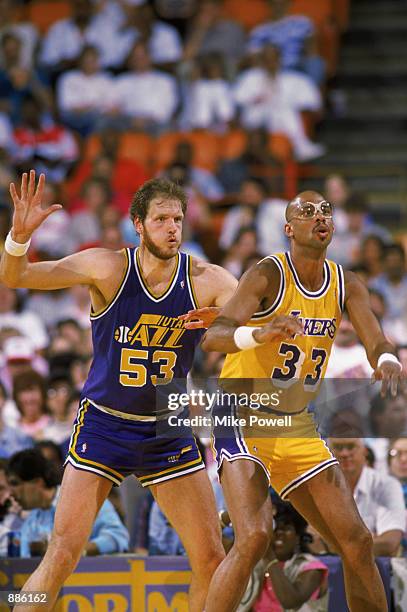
(309, 266)
(153, 268)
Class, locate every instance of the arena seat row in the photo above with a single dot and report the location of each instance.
(209, 148)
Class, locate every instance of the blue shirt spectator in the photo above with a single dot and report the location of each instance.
(108, 533)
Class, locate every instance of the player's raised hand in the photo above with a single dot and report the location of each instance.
(280, 328)
(28, 211)
(200, 317)
(391, 374)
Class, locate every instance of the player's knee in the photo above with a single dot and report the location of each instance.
(205, 564)
(357, 546)
(253, 543)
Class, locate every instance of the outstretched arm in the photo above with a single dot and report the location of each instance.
(367, 327)
(257, 284)
(16, 271)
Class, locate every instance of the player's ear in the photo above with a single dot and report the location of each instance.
(288, 230)
(138, 225)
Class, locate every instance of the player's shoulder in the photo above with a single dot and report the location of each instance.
(105, 261)
(204, 271)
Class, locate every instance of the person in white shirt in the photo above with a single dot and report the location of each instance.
(145, 98)
(273, 98)
(65, 39)
(85, 93)
(209, 100)
(379, 497)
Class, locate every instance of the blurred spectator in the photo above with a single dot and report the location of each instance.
(26, 32)
(6, 143)
(288, 32)
(175, 12)
(26, 323)
(204, 181)
(210, 32)
(254, 208)
(337, 191)
(16, 80)
(53, 238)
(379, 497)
(19, 356)
(59, 390)
(84, 93)
(124, 175)
(42, 144)
(371, 256)
(394, 329)
(359, 225)
(155, 103)
(12, 439)
(392, 284)
(9, 511)
(397, 461)
(34, 482)
(208, 101)
(29, 394)
(162, 39)
(254, 161)
(312, 63)
(243, 246)
(51, 451)
(388, 415)
(272, 98)
(288, 576)
(65, 39)
(95, 198)
(162, 538)
(348, 357)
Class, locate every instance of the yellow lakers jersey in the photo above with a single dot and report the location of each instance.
(302, 359)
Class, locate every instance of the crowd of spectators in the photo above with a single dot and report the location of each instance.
(114, 93)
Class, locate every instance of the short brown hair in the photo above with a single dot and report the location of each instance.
(150, 190)
(28, 380)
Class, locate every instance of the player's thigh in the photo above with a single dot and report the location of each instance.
(246, 491)
(189, 504)
(327, 503)
(81, 496)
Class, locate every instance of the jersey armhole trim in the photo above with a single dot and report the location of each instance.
(190, 283)
(341, 287)
(280, 294)
(100, 313)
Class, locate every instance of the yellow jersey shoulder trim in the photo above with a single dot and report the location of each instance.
(261, 314)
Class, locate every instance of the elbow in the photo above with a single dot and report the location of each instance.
(207, 343)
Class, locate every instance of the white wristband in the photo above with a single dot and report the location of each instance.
(17, 249)
(243, 337)
(388, 357)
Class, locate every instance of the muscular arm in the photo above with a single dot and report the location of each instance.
(294, 595)
(363, 319)
(386, 544)
(88, 267)
(259, 282)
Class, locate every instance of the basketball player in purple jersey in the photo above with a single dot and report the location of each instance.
(140, 345)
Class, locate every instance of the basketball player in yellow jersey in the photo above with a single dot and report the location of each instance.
(281, 323)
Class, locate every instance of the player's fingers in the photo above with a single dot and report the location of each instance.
(13, 193)
(393, 384)
(385, 386)
(52, 209)
(40, 189)
(31, 184)
(24, 186)
(194, 325)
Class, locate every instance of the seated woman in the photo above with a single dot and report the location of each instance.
(292, 578)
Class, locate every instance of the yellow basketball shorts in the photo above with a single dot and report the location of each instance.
(288, 447)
